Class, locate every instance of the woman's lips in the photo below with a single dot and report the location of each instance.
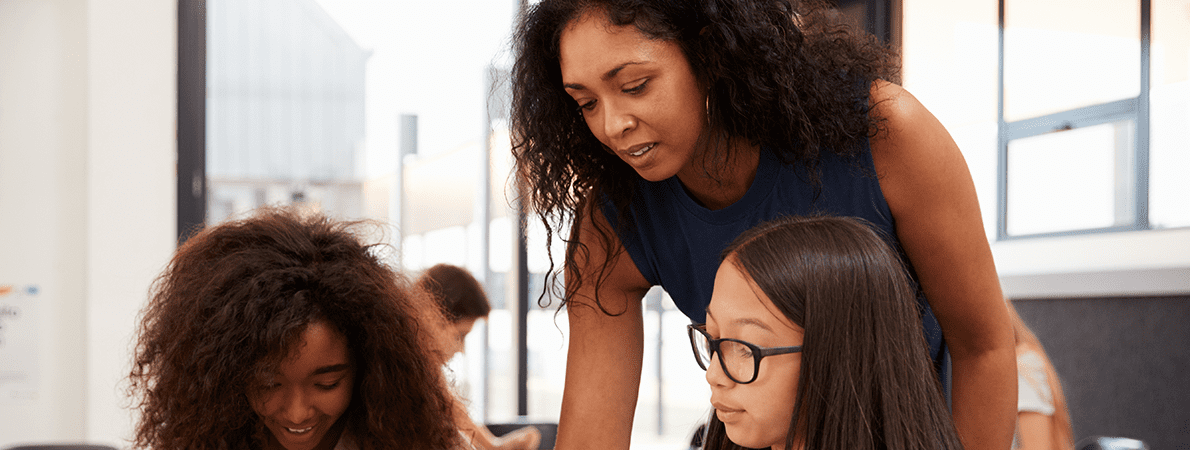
(640, 150)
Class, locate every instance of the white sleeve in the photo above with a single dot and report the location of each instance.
(1033, 389)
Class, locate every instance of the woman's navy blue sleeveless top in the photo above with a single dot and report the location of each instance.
(676, 243)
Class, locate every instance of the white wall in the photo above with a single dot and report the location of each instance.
(87, 173)
(43, 135)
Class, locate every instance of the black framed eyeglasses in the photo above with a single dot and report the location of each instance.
(740, 360)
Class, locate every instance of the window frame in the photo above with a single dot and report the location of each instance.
(1134, 109)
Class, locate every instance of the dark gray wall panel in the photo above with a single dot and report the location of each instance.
(1124, 364)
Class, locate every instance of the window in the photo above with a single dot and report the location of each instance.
(339, 106)
(1169, 103)
(951, 61)
(1092, 116)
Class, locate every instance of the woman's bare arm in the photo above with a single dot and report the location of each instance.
(928, 188)
(603, 363)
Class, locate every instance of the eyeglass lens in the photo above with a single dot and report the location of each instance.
(736, 358)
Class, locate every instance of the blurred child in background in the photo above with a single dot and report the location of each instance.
(464, 302)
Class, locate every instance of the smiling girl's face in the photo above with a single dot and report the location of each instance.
(757, 414)
(303, 401)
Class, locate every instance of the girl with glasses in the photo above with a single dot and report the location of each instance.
(283, 331)
(812, 342)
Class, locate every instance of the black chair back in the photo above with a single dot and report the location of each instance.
(1109, 443)
(549, 431)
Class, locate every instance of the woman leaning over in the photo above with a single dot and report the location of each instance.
(660, 130)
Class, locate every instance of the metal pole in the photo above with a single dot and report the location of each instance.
(407, 146)
(1001, 135)
(522, 280)
(1141, 164)
(653, 300)
(192, 113)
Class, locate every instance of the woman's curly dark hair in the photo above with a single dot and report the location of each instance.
(787, 76)
(234, 301)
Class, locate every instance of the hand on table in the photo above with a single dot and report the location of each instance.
(527, 438)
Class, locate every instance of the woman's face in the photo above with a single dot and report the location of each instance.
(458, 335)
(312, 388)
(755, 415)
(638, 95)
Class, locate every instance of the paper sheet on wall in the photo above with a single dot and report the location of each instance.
(18, 342)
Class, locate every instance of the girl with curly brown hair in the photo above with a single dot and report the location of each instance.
(659, 130)
(286, 331)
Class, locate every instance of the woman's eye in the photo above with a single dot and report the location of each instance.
(327, 386)
(636, 89)
(587, 106)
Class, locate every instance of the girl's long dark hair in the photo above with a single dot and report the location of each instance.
(234, 301)
(866, 381)
(784, 75)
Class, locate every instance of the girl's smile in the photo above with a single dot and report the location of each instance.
(312, 388)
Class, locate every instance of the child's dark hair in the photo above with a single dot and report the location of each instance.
(459, 293)
(866, 379)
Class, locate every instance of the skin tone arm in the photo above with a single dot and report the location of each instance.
(928, 187)
(527, 438)
(603, 363)
(1034, 431)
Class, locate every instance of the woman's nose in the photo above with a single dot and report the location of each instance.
(617, 120)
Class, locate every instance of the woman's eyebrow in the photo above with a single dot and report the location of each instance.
(606, 76)
(331, 369)
(612, 73)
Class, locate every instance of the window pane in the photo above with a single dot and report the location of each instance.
(1091, 55)
(285, 109)
(548, 329)
(1070, 180)
(1169, 157)
(674, 395)
(684, 385)
(949, 59)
